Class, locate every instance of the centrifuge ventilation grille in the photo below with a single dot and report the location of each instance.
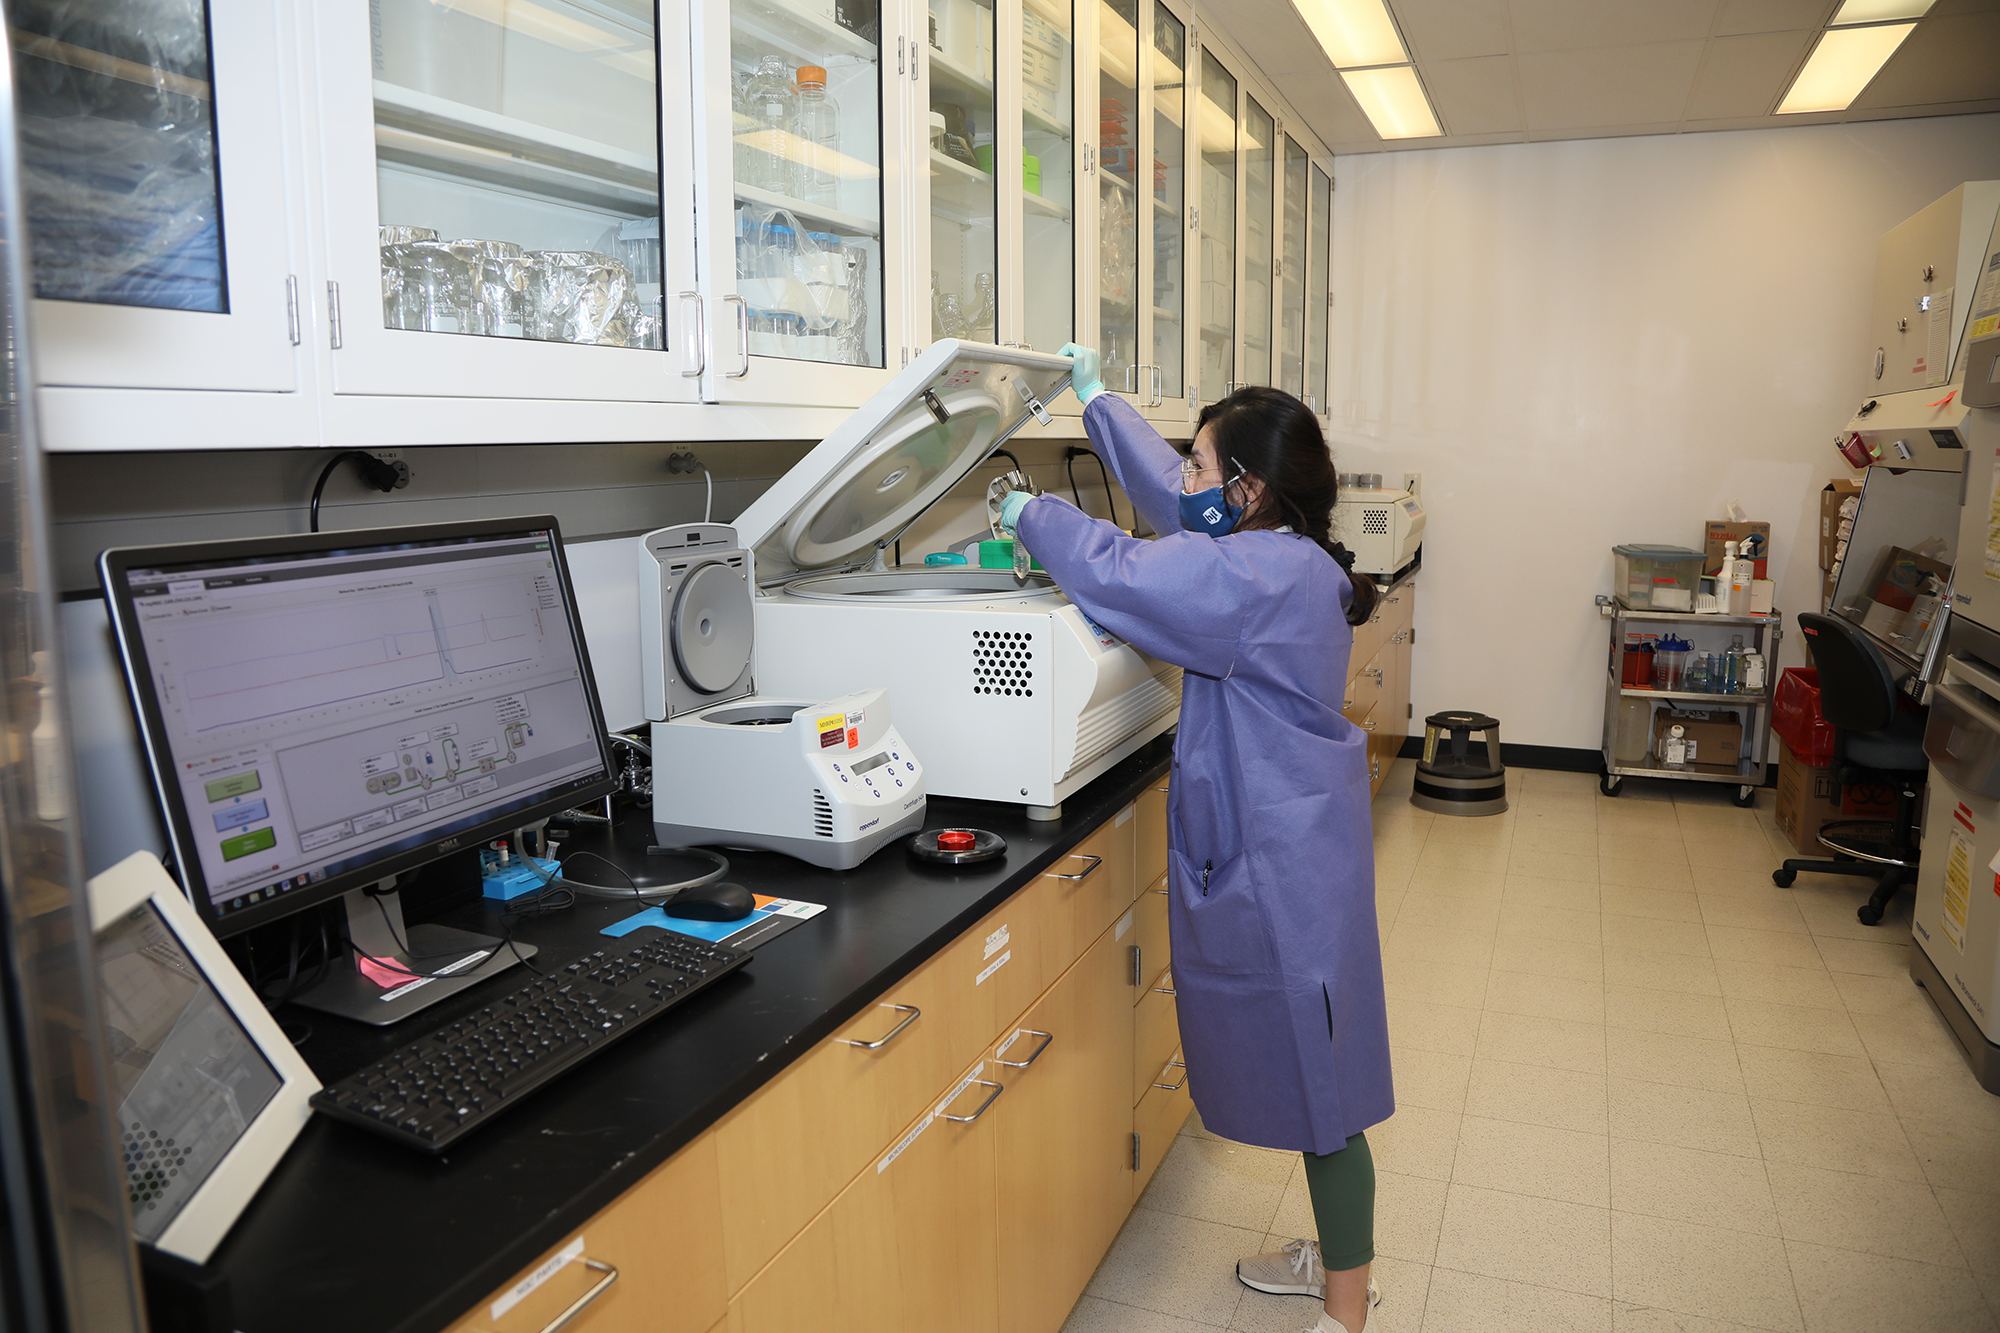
(822, 814)
(1375, 521)
(1003, 663)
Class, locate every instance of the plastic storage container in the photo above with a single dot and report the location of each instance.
(1796, 719)
(1656, 578)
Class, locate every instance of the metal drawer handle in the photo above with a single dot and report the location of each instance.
(894, 1032)
(597, 1289)
(742, 333)
(1167, 989)
(1369, 727)
(1174, 1087)
(1162, 892)
(991, 1098)
(1048, 1040)
(1095, 861)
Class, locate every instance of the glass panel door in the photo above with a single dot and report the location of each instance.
(122, 108)
(1218, 228)
(1117, 192)
(806, 108)
(1048, 185)
(1169, 211)
(1292, 276)
(1259, 178)
(964, 277)
(1319, 287)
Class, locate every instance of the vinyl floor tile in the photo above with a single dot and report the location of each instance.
(1537, 1095)
(1683, 1117)
(1536, 1160)
(1666, 1011)
(1703, 1270)
(1216, 1181)
(1744, 945)
(1690, 1062)
(1470, 1303)
(1868, 1143)
(1174, 1265)
(1865, 1214)
(1544, 997)
(1689, 1185)
(1840, 1295)
(1540, 1241)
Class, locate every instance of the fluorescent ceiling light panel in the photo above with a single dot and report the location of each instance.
(1841, 66)
(1353, 32)
(1877, 11)
(1393, 101)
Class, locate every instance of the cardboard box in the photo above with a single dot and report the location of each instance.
(1829, 516)
(1715, 737)
(1808, 800)
(1719, 532)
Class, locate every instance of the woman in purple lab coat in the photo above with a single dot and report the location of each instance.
(1277, 965)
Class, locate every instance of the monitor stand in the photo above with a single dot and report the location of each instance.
(446, 961)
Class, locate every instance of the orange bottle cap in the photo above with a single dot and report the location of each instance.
(812, 74)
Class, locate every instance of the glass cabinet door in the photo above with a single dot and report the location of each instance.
(1217, 226)
(1168, 215)
(965, 269)
(1319, 289)
(1292, 275)
(1048, 183)
(1118, 118)
(125, 114)
(1259, 180)
(495, 224)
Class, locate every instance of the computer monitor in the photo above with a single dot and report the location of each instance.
(322, 712)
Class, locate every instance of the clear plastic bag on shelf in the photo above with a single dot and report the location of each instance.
(118, 172)
(796, 283)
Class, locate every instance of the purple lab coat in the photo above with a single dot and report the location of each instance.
(1277, 963)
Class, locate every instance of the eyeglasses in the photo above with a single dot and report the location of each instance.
(1191, 470)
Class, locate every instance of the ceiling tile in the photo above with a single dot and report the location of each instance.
(1474, 96)
(1273, 35)
(1574, 25)
(1604, 132)
(1327, 108)
(1955, 58)
(1453, 29)
(1743, 76)
(1944, 8)
(1692, 126)
(1628, 85)
(1741, 16)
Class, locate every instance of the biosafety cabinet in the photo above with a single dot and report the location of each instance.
(409, 222)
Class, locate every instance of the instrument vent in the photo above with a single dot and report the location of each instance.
(822, 814)
(1003, 662)
(1374, 522)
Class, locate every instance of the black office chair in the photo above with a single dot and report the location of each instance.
(1873, 742)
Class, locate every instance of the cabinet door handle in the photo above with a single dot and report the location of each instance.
(1369, 727)
(578, 1305)
(1048, 1040)
(991, 1098)
(1167, 989)
(1173, 1087)
(1095, 861)
(742, 334)
(697, 338)
(1162, 892)
(1158, 383)
(894, 1032)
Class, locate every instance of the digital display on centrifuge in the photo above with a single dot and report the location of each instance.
(871, 763)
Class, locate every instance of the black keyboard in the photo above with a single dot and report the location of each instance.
(442, 1086)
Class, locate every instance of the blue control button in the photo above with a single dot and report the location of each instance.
(843, 777)
(911, 767)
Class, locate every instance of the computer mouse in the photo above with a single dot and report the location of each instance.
(720, 901)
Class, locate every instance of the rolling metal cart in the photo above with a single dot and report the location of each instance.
(1764, 631)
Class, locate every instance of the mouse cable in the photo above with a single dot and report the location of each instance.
(656, 893)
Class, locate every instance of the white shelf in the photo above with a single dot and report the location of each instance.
(948, 75)
(962, 193)
(1048, 208)
(436, 134)
(808, 38)
(1035, 120)
(846, 224)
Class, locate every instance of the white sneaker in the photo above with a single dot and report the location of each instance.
(1328, 1324)
(1292, 1271)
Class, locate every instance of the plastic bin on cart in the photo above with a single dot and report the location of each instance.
(1656, 578)
(1796, 718)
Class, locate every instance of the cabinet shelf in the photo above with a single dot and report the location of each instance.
(1040, 207)
(433, 133)
(1035, 120)
(846, 224)
(947, 75)
(1697, 696)
(775, 29)
(961, 193)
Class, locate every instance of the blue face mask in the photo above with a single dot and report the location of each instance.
(1209, 511)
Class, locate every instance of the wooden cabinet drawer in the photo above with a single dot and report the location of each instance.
(1156, 1033)
(650, 1261)
(1150, 937)
(1158, 1118)
(1149, 836)
(1365, 685)
(1089, 888)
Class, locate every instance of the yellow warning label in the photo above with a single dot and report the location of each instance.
(1982, 327)
(1957, 888)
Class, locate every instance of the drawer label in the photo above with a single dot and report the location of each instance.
(997, 941)
(1125, 816)
(909, 1138)
(525, 1288)
(1124, 924)
(992, 967)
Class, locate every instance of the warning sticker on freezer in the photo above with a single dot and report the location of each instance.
(1957, 888)
(1993, 522)
(832, 730)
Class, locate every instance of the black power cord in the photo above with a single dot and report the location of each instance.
(1070, 455)
(380, 473)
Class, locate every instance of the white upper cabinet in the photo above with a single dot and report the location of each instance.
(1319, 287)
(1291, 294)
(1167, 218)
(493, 178)
(1260, 155)
(153, 175)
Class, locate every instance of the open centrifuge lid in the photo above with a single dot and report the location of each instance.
(896, 456)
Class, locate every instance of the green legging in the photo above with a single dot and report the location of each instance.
(1343, 1198)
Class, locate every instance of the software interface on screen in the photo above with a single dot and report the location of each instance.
(328, 710)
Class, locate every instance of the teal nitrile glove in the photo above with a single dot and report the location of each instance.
(1010, 510)
(1087, 373)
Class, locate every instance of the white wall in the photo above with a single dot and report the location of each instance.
(1586, 343)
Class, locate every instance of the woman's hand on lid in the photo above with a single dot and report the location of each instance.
(1087, 373)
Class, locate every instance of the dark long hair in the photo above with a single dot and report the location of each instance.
(1276, 439)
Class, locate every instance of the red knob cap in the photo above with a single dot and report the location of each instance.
(956, 840)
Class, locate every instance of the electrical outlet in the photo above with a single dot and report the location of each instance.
(1413, 482)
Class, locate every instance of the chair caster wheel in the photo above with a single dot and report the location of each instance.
(1868, 914)
(1783, 878)
(1745, 796)
(1610, 785)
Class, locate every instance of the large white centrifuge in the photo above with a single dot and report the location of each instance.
(1003, 686)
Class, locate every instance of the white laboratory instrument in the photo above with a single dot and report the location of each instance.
(828, 780)
(1003, 686)
(1384, 528)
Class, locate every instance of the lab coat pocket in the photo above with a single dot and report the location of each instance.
(1221, 925)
